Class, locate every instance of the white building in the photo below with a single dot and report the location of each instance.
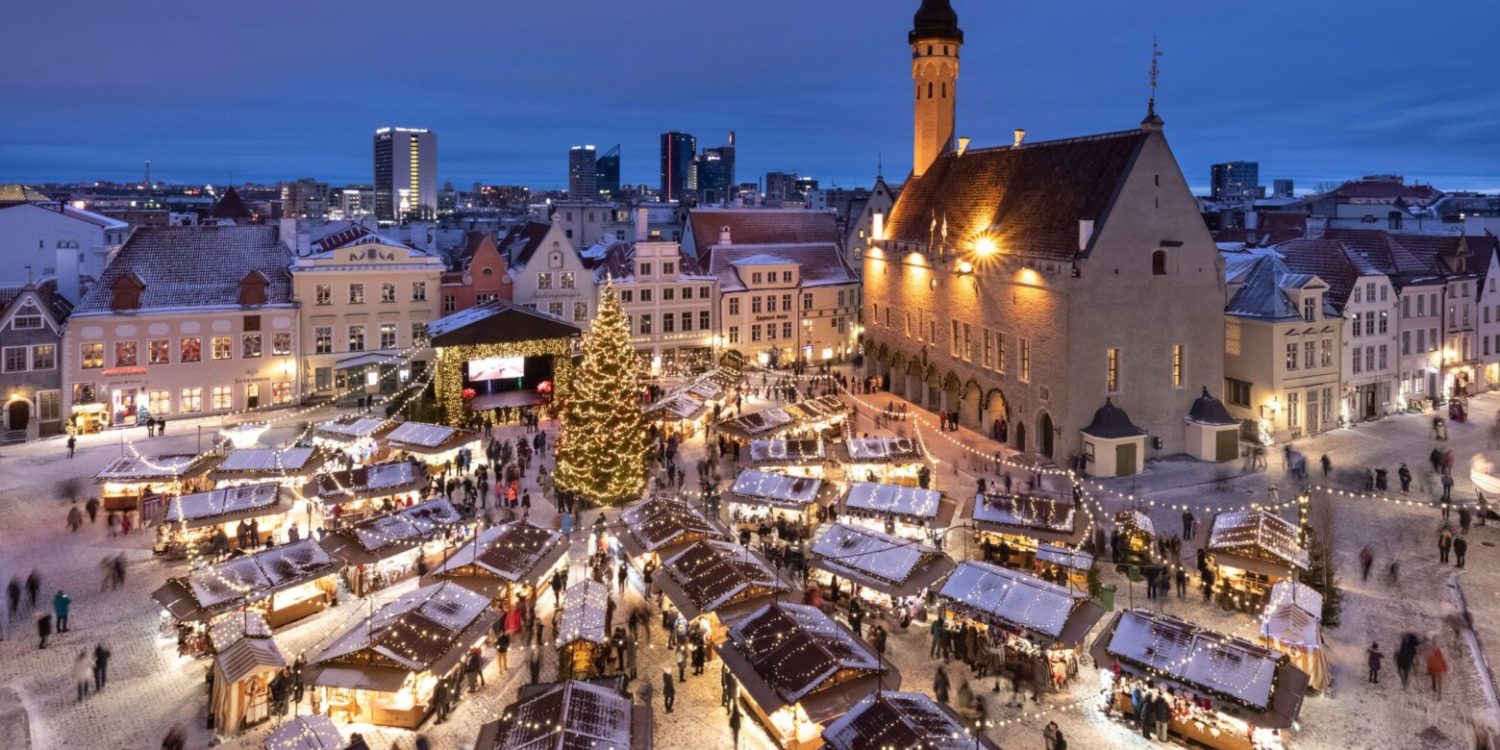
(548, 274)
(54, 239)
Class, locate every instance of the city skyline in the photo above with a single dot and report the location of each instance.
(208, 105)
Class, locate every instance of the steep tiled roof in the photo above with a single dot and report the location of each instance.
(1029, 198)
(1387, 190)
(1329, 260)
(1263, 280)
(819, 264)
(521, 242)
(18, 193)
(762, 226)
(57, 306)
(230, 207)
(351, 235)
(1381, 249)
(195, 267)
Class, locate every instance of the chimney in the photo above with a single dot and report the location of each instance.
(724, 235)
(963, 144)
(67, 273)
(1085, 233)
(1020, 136)
(642, 224)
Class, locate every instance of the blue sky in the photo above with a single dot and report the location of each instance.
(1315, 91)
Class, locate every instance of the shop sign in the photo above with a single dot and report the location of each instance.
(123, 371)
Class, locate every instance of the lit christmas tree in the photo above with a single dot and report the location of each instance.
(601, 452)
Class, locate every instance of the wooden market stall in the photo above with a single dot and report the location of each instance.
(718, 581)
(1022, 623)
(315, 732)
(1250, 551)
(681, 414)
(905, 511)
(661, 526)
(1293, 625)
(354, 435)
(506, 562)
(433, 444)
(385, 669)
(240, 695)
(285, 583)
(890, 460)
(1063, 566)
(765, 496)
(1010, 527)
(812, 416)
(384, 550)
(1137, 538)
(1226, 693)
(192, 522)
(581, 636)
(351, 495)
(905, 720)
(799, 670)
(570, 715)
(142, 483)
(804, 458)
(293, 467)
(887, 572)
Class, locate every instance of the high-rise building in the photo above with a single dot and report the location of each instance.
(716, 173)
(1235, 180)
(934, 38)
(583, 173)
(608, 170)
(304, 199)
(1283, 188)
(405, 174)
(679, 166)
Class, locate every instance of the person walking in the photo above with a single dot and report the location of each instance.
(1374, 657)
(43, 629)
(1445, 542)
(13, 596)
(668, 690)
(101, 667)
(1447, 481)
(1406, 656)
(734, 725)
(1404, 474)
(1437, 666)
(92, 508)
(940, 685)
(1049, 736)
(1366, 559)
(72, 445)
(534, 664)
(1460, 547)
(75, 518)
(1327, 465)
(62, 604)
(83, 674)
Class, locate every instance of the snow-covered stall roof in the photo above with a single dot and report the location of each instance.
(889, 564)
(820, 409)
(1041, 516)
(894, 498)
(659, 522)
(1294, 615)
(374, 481)
(168, 468)
(681, 406)
(776, 489)
(218, 588)
(758, 423)
(314, 732)
(1064, 556)
(270, 462)
(1021, 600)
(761, 648)
(913, 721)
(584, 605)
(383, 536)
(1132, 520)
(880, 450)
(517, 552)
(710, 574)
(420, 437)
(1257, 533)
(569, 715)
(350, 428)
(448, 617)
(787, 451)
(229, 504)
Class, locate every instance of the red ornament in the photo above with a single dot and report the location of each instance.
(468, 394)
(544, 387)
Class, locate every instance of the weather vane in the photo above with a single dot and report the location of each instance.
(1156, 54)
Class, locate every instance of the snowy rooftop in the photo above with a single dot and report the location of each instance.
(407, 526)
(760, 422)
(583, 610)
(1294, 614)
(854, 551)
(894, 498)
(659, 522)
(1026, 512)
(678, 407)
(1064, 556)
(315, 732)
(137, 469)
(229, 502)
(712, 573)
(1200, 658)
(792, 451)
(353, 428)
(879, 449)
(1259, 532)
(419, 433)
(782, 634)
(1012, 596)
(376, 480)
(571, 715)
(1129, 520)
(777, 488)
(266, 460)
(440, 613)
(511, 551)
(912, 721)
(249, 577)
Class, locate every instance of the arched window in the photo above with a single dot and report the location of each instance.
(945, 89)
(929, 49)
(1159, 263)
(929, 89)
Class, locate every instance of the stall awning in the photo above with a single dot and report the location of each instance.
(315, 732)
(378, 679)
(248, 655)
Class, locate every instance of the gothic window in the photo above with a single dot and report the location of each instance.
(1159, 263)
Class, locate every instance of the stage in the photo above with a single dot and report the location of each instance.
(506, 400)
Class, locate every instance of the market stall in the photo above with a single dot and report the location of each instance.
(1293, 625)
(886, 572)
(293, 467)
(1010, 527)
(315, 732)
(1225, 693)
(581, 635)
(1250, 551)
(385, 669)
(193, 522)
(355, 436)
(681, 414)
(758, 496)
(285, 583)
(1137, 538)
(798, 670)
(1022, 624)
(240, 694)
(908, 512)
(812, 417)
(387, 549)
(660, 526)
(908, 721)
(433, 444)
(505, 562)
(803, 458)
(351, 495)
(891, 460)
(1063, 565)
(719, 581)
(142, 483)
(570, 715)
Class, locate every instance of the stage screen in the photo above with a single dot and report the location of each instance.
(496, 368)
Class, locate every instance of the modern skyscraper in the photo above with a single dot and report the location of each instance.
(935, 39)
(405, 174)
(608, 170)
(583, 173)
(679, 166)
(1284, 188)
(716, 173)
(1235, 180)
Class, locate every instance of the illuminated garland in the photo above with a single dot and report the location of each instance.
(448, 370)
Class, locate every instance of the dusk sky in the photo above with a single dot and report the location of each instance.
(209, 92)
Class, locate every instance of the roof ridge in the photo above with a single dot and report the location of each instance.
(1054, 142)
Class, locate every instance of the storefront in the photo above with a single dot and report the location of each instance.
(581, 636)
(355, 436)
(385, 550)
(240, 695)
(1137, 535)
(760, 496)
(1009, 527)
(909, 721)
(1250, 551)
(293, 467)
(718, 581)
(1225, 693)
(907, 512)
(888, 460)
(385, 669)
(887, 573)
(802, 458)
(143, 483)
(352, 495)
(506, 562)
(192, 522)
(1021, 624)
(432, 444)
(570, 714)
(661, 526)
(1063, 566)
(681, 414)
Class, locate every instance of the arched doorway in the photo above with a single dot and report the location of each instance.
(971, 407)
(934, 390)
(952, 391)
(994, 410)
(18, 414)
(1044, 439)
(1020, 436)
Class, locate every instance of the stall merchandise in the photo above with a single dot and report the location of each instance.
(240, 694)
(799, 670)
(663, 524)
(903, 721)
(293, 467)
(506, 561)
(350, 495)
(1021, 522)
(192, 521)
(1226, 693)
(1293, 625)
(385, 669)
(1137, 537)
(315, 732)
(384, 550)
(581, 634)
(142, 483)
(888, 570)
(760, 495)
(432, 444)
(718, 579)
(356, 436)
(1063, 564)
(909, 512)
(570, 715)
(1252, 550)
(1025, 616)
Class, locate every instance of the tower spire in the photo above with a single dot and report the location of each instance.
(1153, 121)
(935, 39)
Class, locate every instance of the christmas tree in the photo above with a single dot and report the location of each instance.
(601, 452)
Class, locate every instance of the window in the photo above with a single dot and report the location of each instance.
(1177, 365)
(734, 334)
(322, 378)
(387, 335)
(1291, 356)
(1293, 409)
(26, 322)
(1356, 296)
(43, 356)
(1309, 354)
(1325, 352)
(786, 277)
(159, 351)
(668, 269)
(1382, 322)
(322, 295)
(281, 392)
(1357, 361)
(450, 303)
(806, 302)
(419, 291)
(1369, 292)
(1237, 392)
(281, 344)
(544, 281)
(908, 324)
(755, 332)
(1355, 329)
(755, 304)
(580, 311)
(250, 348)
(646, 271)
(953, 338)
(159, 402)
(1327, 406)
(190, 349)
(15, 359)
(555, 309)
(687, 321)
(126, 354)
(645, 324)
(1370, 324)
(356, 338)
(92, 356)
(703, 292)
(1000, 352)
(1159, 263)
(419, 333)
(1382, 357)
(645, 295)
(786, 330)
(387, 292)
(1382, 292)
(567, 280)
(668, 323)
(755, 278)
(223, 347)
(987, 359)
(1309, 308)
(668, 295)
(323, 340)
(968, 349)
(1370, 359)
(734, 305)
(704, 321)
(1112, 370)
(932, 331)
(1406, 307)
(356, 294)
(223, 398)
(47, 405)
(627, 296)
(1025, 359)
(191, 401)
(1406, 342)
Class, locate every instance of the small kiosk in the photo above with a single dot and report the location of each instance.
(799, 670)
(907, 512)
(885, 571)
(1293, 625)
(385, 669)
(351, 495)
(663, 525)
(293, 467)
(433, 444)
(911, 721)
(141, 484)
(892, 460)
(570, 715)
(240, 696)
(313, 732)
(1030, 625)
(1010, 527)
(356, 436)
(1212, 434)
(803, 458)
(505, 562)
(1250, 551)
(680, 414)
(1137, 537)
(384, 550)
(581, 636)
(765, 423)
(763, 496)
(1113, 446)
(192, 521)
(719, 581)
(1063, 565)
(1226, 693)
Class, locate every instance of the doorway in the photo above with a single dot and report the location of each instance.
(18, 414)
(1021, 437)
(252, 395)
(1044, 425)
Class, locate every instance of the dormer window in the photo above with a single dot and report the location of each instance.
(1310, 308)
(126, 293)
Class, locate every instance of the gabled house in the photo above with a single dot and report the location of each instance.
(32, 318)
(548, 274)
(479, 273)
